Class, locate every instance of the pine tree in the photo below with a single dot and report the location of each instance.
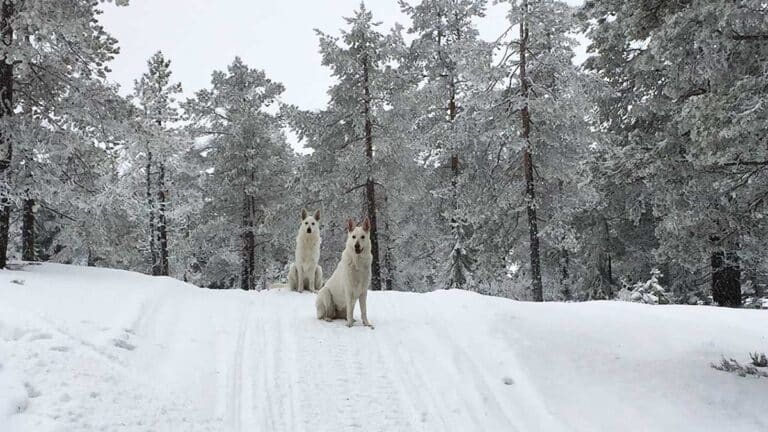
(346, 145)
(6, 111)
(545, 101)
(57, 46)
(687, 115)
(247, 165)
(530, 185)
(155, 94)
(445, 61)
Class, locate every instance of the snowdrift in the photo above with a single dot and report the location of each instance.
(86, 349)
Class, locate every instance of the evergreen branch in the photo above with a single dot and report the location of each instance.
(52, 210)
(749, 37)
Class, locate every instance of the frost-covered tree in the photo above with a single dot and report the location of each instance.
(446, 64)
(687, 111)
(59, 47)
(155, 95)
(345, 135)
(247, 167)
(540, 115)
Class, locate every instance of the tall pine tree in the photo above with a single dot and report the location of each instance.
(155, 95)
(53, 54)
(345, 135)
(446, 62)
(247, 167)
(686, 110)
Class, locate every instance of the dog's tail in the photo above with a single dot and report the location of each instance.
(293, 278)
(319, 277)
(279, 285)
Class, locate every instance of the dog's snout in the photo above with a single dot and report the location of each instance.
(309, 230)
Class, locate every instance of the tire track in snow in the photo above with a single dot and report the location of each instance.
(236, 373)
(460, 357)
(527, 403)
(373, 386)
(269, 372)
(275, 411)
(407, 384)
(348, 380)
(290, 367)
(410, 380)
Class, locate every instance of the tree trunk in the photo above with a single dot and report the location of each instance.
(565, 262)
(247, 281)
(152, 229)
(6, 110)
(389, 265)
(530, 190)
(459, 262)
(726, 279)
(162, 227)
(28, 231)
(602, 287)
(370, 189)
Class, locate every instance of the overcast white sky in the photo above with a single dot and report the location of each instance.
(200, 36)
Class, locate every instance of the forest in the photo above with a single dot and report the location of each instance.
(495, 166)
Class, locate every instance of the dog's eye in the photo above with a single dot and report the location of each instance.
(362, 238)
(306, 223)
(353, 236)
(313, 223)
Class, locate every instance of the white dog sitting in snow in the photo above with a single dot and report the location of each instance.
(305, 273)
(349, 282)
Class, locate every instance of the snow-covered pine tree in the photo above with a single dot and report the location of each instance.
(408, 213)
(525, 126)
(446, 62)
(687, 108)
(545, 100)
(155, 95)
(52, 53)
(84, 210)
(247, 168)
(345, 134)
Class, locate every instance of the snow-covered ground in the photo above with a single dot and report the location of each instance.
(86, 349)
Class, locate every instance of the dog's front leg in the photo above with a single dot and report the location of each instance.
(311, 281)
(300, 275)
(350, 310)
(364, 309)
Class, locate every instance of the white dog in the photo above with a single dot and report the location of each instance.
(350, 281)
(305, 273)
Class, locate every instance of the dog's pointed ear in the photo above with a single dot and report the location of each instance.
(366, 224)
(303, 214)
(317, 215)
(350, 225)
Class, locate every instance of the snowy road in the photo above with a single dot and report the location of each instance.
(93, 349)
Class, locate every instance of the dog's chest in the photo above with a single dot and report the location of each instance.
(307, 252)
(359, 275)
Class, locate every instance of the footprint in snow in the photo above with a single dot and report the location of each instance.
(40, 336)
(32, 392)
(508, 381)
(123, 344)
(17, 334)
(60, 348)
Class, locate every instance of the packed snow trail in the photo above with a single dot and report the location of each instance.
(85, 349)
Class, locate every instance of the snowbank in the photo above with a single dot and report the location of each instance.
(85, 349)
